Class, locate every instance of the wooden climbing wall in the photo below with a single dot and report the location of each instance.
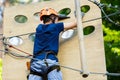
(69, 53)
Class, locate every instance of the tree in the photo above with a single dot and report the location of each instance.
(111, 37)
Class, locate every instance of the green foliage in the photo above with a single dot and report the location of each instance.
(65, 11)
(20, 18)
(112, 38)
(112, 61)
(111, 7)
(113, 2)
(112, 50)
(111, 35)
(89, 29)
(85, 8)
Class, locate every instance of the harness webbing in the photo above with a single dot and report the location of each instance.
(44, 75)
(51, 68)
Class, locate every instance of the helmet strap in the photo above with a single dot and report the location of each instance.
(53, 18)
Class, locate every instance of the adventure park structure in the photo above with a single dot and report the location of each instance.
(81, 55)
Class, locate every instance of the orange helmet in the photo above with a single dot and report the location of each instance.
(47, 12)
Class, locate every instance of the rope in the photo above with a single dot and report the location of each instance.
(19, 50)
(112, 14)
(101, 7)
(11, 46)
(21, 35)
(15, 54)
(77, 70)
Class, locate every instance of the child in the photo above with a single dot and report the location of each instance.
(46, 46)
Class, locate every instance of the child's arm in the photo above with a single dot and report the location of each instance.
(70, 25)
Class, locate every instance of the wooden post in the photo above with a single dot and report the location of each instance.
(81, 39)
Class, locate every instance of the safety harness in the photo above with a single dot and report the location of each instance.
(44, 75)
(51, 68)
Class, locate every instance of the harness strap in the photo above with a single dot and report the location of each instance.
(53, 68)
(44, 75)
(47, 53)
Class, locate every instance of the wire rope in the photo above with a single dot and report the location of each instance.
(101, 8)
(70, 68)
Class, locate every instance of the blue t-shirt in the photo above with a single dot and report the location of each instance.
(47, 39)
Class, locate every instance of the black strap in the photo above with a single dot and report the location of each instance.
(44, 75)
(53, 68)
